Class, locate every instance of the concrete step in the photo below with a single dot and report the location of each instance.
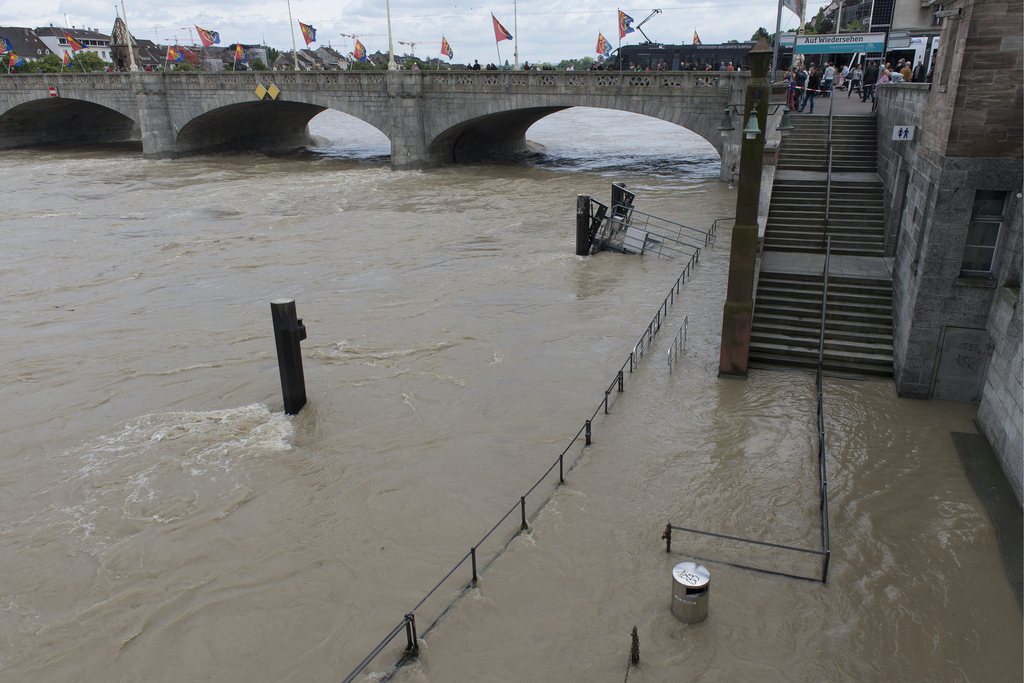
(764, 358)
(764, 325)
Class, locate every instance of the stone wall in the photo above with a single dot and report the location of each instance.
(1001, 414)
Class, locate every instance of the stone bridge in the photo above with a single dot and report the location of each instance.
(430, 117)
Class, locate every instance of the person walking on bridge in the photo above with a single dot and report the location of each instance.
(870, 78)
(856, 76)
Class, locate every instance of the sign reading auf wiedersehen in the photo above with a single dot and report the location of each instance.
(842, 42)
(903, 133)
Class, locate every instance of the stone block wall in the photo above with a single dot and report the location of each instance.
(1001, 414)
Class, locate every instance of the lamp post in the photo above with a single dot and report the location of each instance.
(391, 50)
(737, 315)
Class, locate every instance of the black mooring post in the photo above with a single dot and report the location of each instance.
(288, 332)
(588, 432)
(522, 508)
(634, 650)
(582, 225)
(472, 552)
(667, 536)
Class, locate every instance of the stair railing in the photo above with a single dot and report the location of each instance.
(828, 161)
(824, 305)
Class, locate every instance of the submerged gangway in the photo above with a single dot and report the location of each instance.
(626, 229)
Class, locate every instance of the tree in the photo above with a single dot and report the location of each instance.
(51, 63)
(257, 65)
(272, 54)
(761, 32)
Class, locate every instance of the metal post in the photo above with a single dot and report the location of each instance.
(561, 468)
(824, 571)
(620, 381)
(667, 535)
(606, 392)
(588, 433)
(630, 362)
(412, 647)
(295, 50)
(472, 554)
(634, 650)
(582, 224)
(288, 332)
(522, 509)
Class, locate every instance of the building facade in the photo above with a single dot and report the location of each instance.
(953, 206)
(91, 39)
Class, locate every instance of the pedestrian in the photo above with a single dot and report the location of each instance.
(868, 84)
(856, 76)
(730, 68)
(791, 89)
(907, 72)
(844, 76)
(827, 79)
(801, 84)
(813, 83)
(917, 75)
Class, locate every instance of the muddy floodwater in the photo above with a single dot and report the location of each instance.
(161, 519)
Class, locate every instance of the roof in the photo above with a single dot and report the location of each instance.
(25, 42)
(76, 33)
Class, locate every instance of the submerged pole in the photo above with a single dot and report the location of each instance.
(288, 332)
(582, 224)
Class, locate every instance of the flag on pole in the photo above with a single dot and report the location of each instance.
(500, 32)
(696, 38)
(190, 57)
(174, 55)
(308, 33)
(240, 53)
(208, 38)
(66, 60)
(360, 52)
(795, 6)
(14, 60)
(5, 46)
(603, 46)
(446, 48)
(625, 24)
(72, 43)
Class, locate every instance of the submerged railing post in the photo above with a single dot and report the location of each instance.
(522, 509)
(472, 554)
(588, 433)
(412, 647)
(667, 536)
(288, 332)
(620, 381)
(561, 468)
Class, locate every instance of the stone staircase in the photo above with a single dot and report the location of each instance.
(787, 307)
(854, 139)
(858, 323)
(796, 217)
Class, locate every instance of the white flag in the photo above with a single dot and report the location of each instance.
(795, 6)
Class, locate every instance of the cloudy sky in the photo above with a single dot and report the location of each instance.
(545, 32)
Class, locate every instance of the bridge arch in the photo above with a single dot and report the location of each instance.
(499, 131)
(61, 120)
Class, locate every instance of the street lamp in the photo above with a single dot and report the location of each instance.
(753, 129)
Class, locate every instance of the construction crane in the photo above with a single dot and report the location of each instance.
(412, 46)
(657, 11)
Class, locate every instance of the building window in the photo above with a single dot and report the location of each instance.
(983, 232)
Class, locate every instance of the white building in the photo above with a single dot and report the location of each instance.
(92, 40)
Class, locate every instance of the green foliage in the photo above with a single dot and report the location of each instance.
(272, 54)
(257, 65)
(761, 32)
(581, 64)
(183, 66)
(51, 63)
(819, 24)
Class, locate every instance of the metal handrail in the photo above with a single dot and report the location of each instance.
(822, 472)
(677, 342)
(708, 235)
(828, 168)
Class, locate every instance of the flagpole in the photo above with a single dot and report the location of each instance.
(391, 50)
(775, 45)
(291, 23)
(131, 53)
(515, 27)
(618, 18)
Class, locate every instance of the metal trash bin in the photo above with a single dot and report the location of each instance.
(691, 587)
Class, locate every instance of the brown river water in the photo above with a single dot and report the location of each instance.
(161, 519)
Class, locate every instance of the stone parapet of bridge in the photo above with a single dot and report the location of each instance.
(430, 117)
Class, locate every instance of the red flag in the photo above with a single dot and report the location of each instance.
(208, 38)
(625, 24)
(500, 32)
(308, 32)
(72, 43)
(696, 38)
(67, 59)
(446, 49)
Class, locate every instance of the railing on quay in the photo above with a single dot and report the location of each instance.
(677, 343)
(828, 162)
(617, 385)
